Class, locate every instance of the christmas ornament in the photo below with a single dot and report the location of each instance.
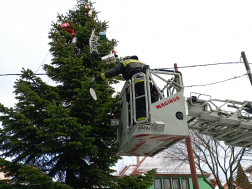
(93, 42)
(90, 13)
(114, 123)
(114, 52)
(68, 29)
(72, 33)
(74, 40)
(102, 35)
(66, 26)
(93, 94)
(108, 59)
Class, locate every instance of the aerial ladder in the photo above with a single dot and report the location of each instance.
(168, 119)
(226, 120)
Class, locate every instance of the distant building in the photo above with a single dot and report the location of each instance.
(225, 186)
(248, 170)
(2, 177)
(172, 172)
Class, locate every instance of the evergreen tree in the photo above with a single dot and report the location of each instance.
(27, 177)
(242, 179)
(136, 182)
(60, 129)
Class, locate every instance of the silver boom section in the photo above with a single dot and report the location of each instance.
(226, 120)
(165, 122)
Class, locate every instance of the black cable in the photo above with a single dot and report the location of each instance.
(42, 62)
(162, 68)
(204, 65)
(236, 77)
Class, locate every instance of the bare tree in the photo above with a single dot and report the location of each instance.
(215, 156)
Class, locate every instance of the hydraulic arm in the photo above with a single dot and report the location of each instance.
(226, 120)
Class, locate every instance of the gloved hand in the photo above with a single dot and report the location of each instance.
(92, 80)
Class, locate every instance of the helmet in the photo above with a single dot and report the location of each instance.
(126, 58)
(134, 57)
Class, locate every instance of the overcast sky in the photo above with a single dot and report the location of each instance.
(161, 33)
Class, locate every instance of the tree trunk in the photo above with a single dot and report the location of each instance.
(70, 178)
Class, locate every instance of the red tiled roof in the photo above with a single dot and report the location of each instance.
(249, 170)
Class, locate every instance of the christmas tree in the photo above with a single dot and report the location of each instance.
(60, 129)
(24, 176)
(242, 179)
(141, 181)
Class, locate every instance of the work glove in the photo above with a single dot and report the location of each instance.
(92, 80)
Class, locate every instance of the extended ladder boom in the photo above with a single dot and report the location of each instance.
(166, 120)
(226, 120)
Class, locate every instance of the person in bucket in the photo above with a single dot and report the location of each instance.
(129, 66)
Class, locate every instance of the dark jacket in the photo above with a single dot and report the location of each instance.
(127, 68)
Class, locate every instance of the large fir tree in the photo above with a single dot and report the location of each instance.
(136, 182)
(21, 176)
(242, 179)
(61, 129)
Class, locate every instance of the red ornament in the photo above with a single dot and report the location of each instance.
(72, 33)
(65, 25)
(68, 29)
(87, 7)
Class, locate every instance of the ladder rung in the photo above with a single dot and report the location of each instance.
(140, 96)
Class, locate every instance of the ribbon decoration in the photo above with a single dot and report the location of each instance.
(68, 29)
